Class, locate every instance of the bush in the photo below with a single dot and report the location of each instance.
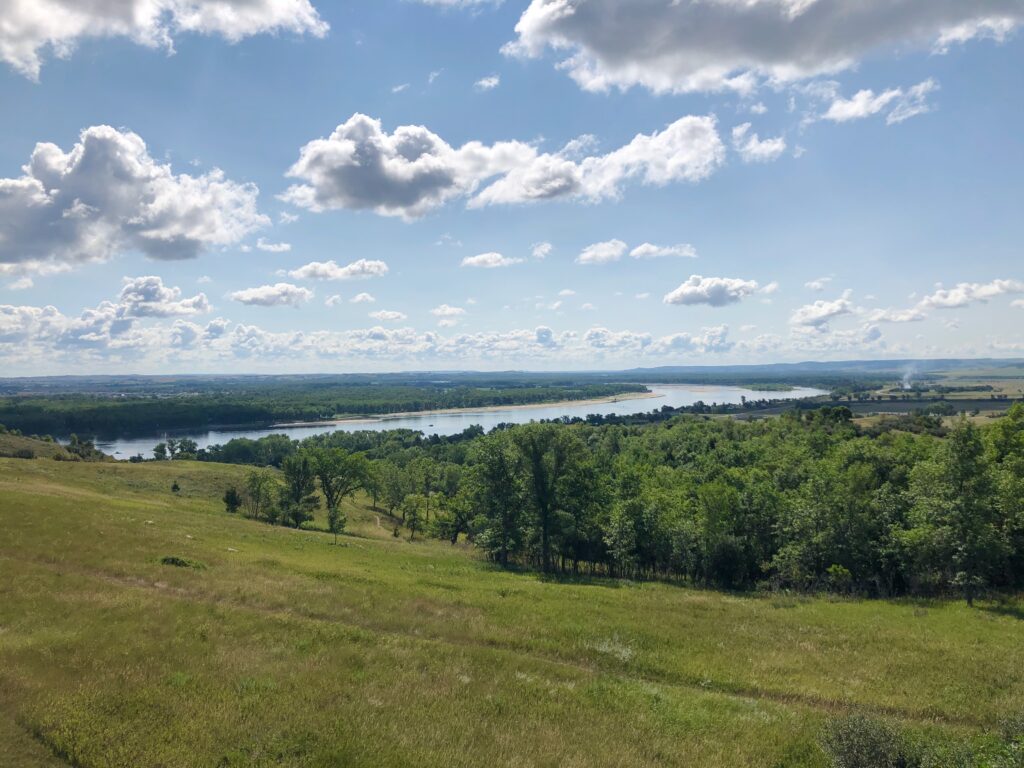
(24, 453)
(862, 742)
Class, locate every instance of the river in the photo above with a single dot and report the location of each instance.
(454, 422)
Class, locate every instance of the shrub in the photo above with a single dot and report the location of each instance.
(862, 742)
(24, 453)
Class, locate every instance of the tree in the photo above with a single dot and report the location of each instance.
(551, 458)
(232, 501)
(414, 510)
(298, 495)
(494, 487)
(394, 486)
(955, 497)
(172, 448)
(186, 449)
(259, 496)
(160, 452)
(340, 474)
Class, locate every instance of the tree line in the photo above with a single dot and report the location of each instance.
(807, 501)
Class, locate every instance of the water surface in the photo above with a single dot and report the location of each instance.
(452, 423)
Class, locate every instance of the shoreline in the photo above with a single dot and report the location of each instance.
(625, 397)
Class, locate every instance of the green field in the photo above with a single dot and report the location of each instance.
(279, 648)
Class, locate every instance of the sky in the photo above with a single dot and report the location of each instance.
(231, 186)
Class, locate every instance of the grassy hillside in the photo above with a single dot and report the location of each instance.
(12, 446)
(276, 647)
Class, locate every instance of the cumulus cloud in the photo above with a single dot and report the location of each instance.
(542, 250)
(710, 341)
(490, 261)
(753, 149)
(488, 83)
(965, 294)
(21, 284)
(263, 245)
(448, 316)
(107, 196)
(279, 294)
(817, 315)
(149, 297)
(602, 253)
(413, 171)
(388, 316)
(363, 298)
(738, 44)
(899, 105)
(650, 251)
(28, 27)
(818, 285)
(329, 270)
(713, 291)
(896, 316)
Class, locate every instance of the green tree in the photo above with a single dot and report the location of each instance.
(340, 474)
(298, 495)
(259, 495)
(160, 452)
(232, 500)
(955, 497)
(495, 493)
(414, 510)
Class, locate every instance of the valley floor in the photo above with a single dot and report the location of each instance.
(278, 647)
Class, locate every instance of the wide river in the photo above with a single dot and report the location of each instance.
(454, 422)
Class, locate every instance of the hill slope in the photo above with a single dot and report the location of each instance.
(276, 647)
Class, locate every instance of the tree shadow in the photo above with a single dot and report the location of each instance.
(1013, 610)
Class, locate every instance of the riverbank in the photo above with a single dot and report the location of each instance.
(625, 397)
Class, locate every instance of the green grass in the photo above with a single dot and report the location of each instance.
(275, 647)
(10, 445)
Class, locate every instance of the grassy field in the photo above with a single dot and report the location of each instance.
(279, 648)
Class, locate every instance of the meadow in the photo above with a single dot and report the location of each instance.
(140, 626)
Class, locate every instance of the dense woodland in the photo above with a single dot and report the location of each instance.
(807, 501)
(111, 416)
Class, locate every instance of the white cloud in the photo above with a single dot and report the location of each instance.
(263, 245)
(818, 285)
(280, 294)
(588, 307)
(21, 284)
(753, 149)
(446, 310)
(488, 83)
(711, 340)
(738, 44)
(287, 218)
(490, 261)
(334, 300)
(329, 270)
(1018, 303)
(413, 171)
(900, 105)
(896, 316)
(602, 253)
(566, 292)
(820, 313)
(650, 251)
(964, 294)
(362, 298)
(400, 88)
(642, 296)
(542, 250)
(388, 316)
(107, 196)
(30, 26)
(149, 297)
(758, 109)
(713, 291)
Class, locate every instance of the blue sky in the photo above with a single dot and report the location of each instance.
(796, 182)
